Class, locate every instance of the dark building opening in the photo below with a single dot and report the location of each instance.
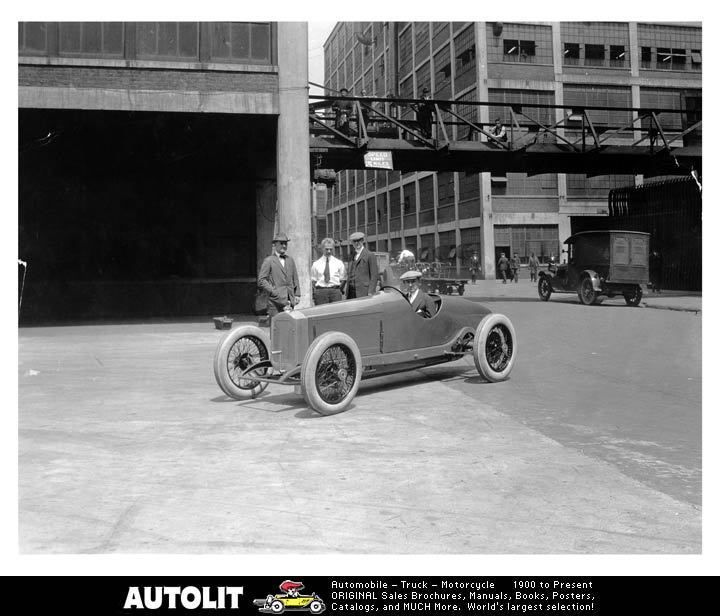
(139, 214)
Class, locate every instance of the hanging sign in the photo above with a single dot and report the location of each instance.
(378, 159)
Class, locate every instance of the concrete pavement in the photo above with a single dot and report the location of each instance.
(127, 445)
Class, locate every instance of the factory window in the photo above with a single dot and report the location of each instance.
(671, 58)
(518, 50)
(617, 55)
(240, 42)
(91, 39)
(646, 57)
(167, 39)
(571, 54)
(594, 55)
(696, 59)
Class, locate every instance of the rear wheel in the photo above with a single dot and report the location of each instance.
(495, 347)
(632, 298)
(544, 289)
(331, 372)
(240, 349)
(586, 292)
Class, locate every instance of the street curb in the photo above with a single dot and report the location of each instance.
(675, 308)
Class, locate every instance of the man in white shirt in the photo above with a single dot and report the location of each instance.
(327, 275)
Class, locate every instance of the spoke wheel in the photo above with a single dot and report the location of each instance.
(586, 292)
(544, 290)
(495, 347)
(633, 298)
(331, 373)
(240, 349)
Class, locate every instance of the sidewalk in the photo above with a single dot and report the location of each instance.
(686, 301)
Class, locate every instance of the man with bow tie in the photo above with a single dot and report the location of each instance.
(327, 275)
(278, 278)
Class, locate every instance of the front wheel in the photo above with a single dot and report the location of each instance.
(316, 607)
(277, 607)
(241, 348)
(544, 289)
(586, 292)
(632, 298)
(495, 347)
(330, 374)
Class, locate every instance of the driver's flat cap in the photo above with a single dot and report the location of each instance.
(358, 235)
(411, 275)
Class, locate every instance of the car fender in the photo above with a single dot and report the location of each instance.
(549, 276)
(593, 275)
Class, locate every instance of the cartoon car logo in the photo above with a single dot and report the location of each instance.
(290, 599)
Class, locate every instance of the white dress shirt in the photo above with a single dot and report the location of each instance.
(337, 272)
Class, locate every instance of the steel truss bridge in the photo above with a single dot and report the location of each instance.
(652, 142)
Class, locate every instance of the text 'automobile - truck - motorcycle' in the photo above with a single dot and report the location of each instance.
(326, 350)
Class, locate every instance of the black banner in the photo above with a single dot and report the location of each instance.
(431, 595)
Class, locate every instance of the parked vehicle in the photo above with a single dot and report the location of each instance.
(600, 264)
(326, 350)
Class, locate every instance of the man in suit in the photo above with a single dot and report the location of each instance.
(362, 273)
(278, 278)
(420, 301)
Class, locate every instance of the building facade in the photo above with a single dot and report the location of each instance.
(156, 161)
(448, 216)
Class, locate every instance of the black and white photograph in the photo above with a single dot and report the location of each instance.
(342, 287)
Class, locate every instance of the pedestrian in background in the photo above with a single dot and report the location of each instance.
(278, 278)
(655, 266)
(503, 265)
(362, 275)
(474, 266)
(424, 114)
(498, 131)
(343, 111)
(327, 275)
(515, 266)
(533, 265)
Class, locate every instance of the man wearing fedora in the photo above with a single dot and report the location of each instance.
(278, 278)
(362, 273)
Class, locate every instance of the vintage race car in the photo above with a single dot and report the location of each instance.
(326, 350)
(277, 604)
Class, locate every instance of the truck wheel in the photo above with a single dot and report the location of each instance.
(241, 348)
(544, 289)
(632, 298)
(586, 292)
(330, 374)
(495, 347)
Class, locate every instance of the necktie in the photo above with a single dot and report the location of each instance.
(326, 273)
(282, 261)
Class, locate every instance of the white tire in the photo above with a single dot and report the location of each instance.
(241, 348)
(495, 347)
(331, 372)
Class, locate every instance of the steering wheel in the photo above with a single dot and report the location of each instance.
(389, 286)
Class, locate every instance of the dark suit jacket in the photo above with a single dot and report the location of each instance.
(362, 275)
(424, 304)
(280, 283)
